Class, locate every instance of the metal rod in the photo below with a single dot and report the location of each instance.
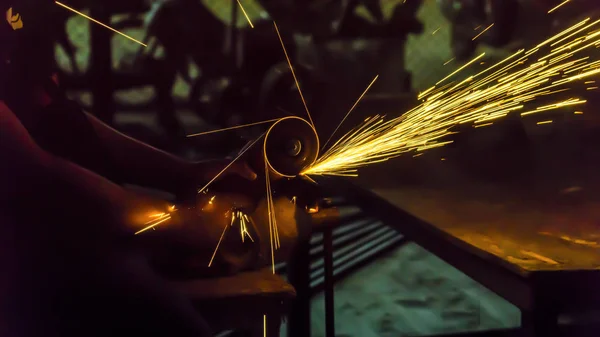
(356, 250)
(343, 239)
(299, 276)
(355, 245)
(317, 283)
(317, 239)
(329, 283)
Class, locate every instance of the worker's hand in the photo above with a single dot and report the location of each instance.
(208, 170)
(199, 176)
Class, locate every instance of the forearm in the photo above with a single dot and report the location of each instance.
(142, 164)
(56, 194)
(81, 196)
(86, 207)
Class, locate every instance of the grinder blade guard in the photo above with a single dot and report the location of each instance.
(290, 146)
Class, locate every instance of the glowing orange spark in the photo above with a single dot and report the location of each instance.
(231, 163)
(450, 60)
(293, 74)
(100, 23)
(153, 223)
(219, 243)
(558, 6)
(480, 99)
(232, 128)
(270, 217)
(424, 93)
(483, 31)
(246, 15)
(243, 221)
(461, 68)
(351, 109)
(544, 122)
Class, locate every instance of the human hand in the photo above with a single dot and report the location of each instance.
(208, 171)
(198, 176)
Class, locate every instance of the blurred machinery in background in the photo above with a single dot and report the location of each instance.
(511, 20)
(243, 73)
(470, 16)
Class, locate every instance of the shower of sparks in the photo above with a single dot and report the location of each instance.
(558, 6)
(483, 31)
(482, 125)
(246, 15)
(157, 219)
(351, 109)
(232, 128)
(287, 58)
(491, 94)
(98, 22)
(243, 221)
(231, 163)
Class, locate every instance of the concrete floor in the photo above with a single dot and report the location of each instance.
(410, 292)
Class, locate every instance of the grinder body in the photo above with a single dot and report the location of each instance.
(289, 146)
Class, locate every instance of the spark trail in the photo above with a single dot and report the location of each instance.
(506, 87)
(245, 14)
(157, 219)
(99, 23)
(558, 6)
(244, 150)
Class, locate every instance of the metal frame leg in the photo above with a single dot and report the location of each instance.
(542, 322)
(329, 283)
(298, 272)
